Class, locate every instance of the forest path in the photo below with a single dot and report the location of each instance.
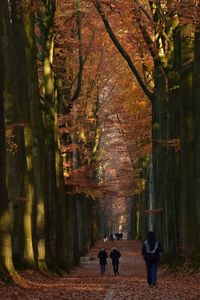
(85, 281)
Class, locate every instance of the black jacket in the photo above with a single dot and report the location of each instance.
(102, 255)
(115, 255)
(151, 254)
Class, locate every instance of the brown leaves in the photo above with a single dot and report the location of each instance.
(68, 148)
(85, 282)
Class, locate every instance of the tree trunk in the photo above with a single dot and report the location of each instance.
(196, 90)
(159, 136)
(188, 228)
(82, 223)
(15, 92)
(38, 145)
(6, 264)
(72, 235)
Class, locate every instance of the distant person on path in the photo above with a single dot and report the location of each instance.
(105, 237)
(115, 255)
(111, 237)
(102, 255)
(117, 236)
(151, 252)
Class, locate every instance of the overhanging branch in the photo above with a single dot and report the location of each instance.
(122, 51)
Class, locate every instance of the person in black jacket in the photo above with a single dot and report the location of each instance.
(115, 255)
(151, 251)
(102, 255)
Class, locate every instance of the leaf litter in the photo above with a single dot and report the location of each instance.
(85, 282)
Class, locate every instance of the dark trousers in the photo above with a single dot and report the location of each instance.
(103, 268)
(115, 267)
(152, 273)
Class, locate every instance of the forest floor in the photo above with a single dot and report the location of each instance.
(85, 281)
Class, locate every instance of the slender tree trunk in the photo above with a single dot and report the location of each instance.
(50, 121)
(61, 226)
(82, 221)
(134, 230)
(93, 229)
(72, 235)
(50, 118)
(61, 207)
(196, 82)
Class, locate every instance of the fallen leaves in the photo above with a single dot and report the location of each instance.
(85, 281)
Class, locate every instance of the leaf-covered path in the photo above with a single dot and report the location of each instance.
(85, 281)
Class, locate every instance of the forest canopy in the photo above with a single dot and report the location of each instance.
(99, 127)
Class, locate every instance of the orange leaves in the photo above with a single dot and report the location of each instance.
(68, 148)
(111, 108)
(85, 282)
(81, 180)
(67, 164)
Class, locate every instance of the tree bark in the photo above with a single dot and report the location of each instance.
(188, 228)
(6, 263)
(196, 90)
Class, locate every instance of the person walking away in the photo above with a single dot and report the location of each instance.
(111, 237)
(115, 255)
(151, 251)
(102, 255)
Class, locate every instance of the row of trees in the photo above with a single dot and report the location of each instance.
(68, 100)
(169, 32)
(48, 218)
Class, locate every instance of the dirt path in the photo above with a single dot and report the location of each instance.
(85, 282)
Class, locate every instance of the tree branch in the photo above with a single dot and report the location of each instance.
(81, 60)
(145, 34)
(122, 51)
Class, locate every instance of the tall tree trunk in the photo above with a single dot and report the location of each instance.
(15, 160)
(188, 228)
(196, 90)
(50, 123)
(38, 144)
(6, 264)
(93, 229)
(82, 222)
(134, 233)
(174, 149)
(61, 216)
(72, 235)
(61, 226)
(159, 136)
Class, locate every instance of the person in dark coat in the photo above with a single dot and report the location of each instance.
(115, 255)
(111, 237)
(151, 251)
(102, 255)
